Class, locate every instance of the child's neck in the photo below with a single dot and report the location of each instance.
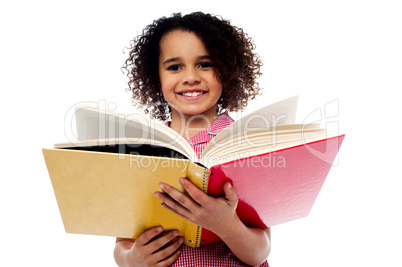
(190, 125)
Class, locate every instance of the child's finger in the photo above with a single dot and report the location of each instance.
(163, 240)
(182, 214)
(172, 258)
(196, 194)
(175, 196)
(175, 200)
(147, 236)
(167, 251)
(230, 193)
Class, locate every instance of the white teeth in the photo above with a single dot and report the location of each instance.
(192, 94)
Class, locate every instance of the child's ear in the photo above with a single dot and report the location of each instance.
(159, 93)
(220, 100)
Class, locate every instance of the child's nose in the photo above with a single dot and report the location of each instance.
(191, 76)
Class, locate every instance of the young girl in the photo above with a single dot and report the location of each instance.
(193, 69)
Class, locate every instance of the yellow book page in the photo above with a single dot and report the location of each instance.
(112, 194)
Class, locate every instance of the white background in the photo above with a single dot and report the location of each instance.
(55, 54)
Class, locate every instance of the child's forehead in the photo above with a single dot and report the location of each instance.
(182, 40)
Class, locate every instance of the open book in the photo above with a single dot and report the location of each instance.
(104, 181)
(267, 129)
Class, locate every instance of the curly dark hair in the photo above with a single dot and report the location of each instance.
(236, 65)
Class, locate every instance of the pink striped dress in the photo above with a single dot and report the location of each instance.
(215, 254)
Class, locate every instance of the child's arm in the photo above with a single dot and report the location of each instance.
(250, 245)
(142, 252)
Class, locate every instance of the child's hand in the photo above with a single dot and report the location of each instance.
(155, 248)
(211, 213)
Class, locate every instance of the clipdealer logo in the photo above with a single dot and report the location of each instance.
(327, 116)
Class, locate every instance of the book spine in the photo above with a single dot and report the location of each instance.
(205, 180)
(198, 175)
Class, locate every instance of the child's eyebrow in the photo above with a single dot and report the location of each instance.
(174, 59)
(169, 60)
(204, 57)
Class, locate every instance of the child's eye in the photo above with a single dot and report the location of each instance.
(205, 65)
(174, 68)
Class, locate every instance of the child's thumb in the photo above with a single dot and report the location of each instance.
(230, 192)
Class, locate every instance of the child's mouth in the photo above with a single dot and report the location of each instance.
(192, 94)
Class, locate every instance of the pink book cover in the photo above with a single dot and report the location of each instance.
(275, 187)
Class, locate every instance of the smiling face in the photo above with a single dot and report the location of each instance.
(188, 80)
